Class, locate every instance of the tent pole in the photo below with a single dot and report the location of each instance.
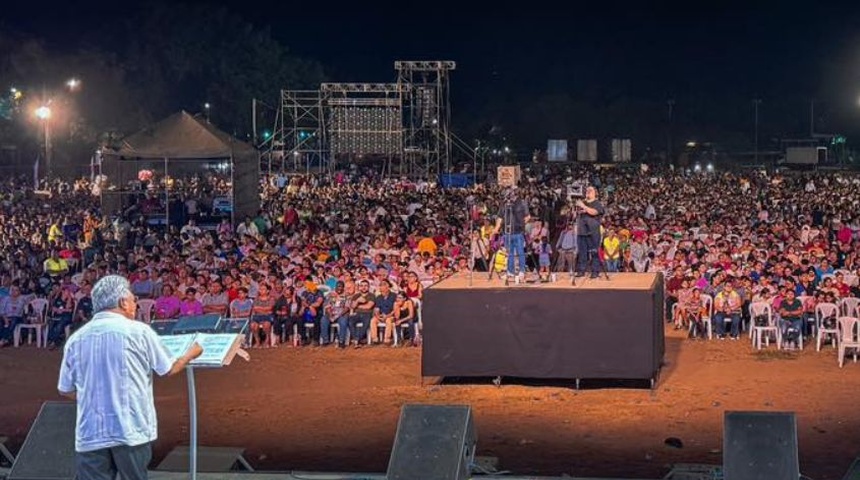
(166, 198)
(233, 190)
(254, 121)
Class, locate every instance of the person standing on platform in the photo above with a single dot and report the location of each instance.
(612, 251)
(514, 215)
(566, 248)
(107, 369)
(590, 210)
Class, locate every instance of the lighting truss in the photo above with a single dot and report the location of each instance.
(408, 121)
(361, 87)
(365, 102)
(427, 115)
(424, 65)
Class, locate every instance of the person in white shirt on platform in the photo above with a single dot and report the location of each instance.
(107, 369)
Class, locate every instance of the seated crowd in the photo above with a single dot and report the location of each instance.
(344, 258)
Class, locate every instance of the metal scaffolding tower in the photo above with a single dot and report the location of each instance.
(407, 124)
(427, 116)
(299, 137)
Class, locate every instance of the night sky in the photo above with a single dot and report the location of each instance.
(733, 51)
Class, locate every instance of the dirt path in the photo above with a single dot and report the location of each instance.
(331, 410)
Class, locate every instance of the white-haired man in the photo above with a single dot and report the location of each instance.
(107, 368)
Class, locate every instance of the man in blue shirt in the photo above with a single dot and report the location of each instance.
(383, 313)
(566, 247)
(107, 369)
(142, 287)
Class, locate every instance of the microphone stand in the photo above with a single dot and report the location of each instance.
(470, 226)
(574, 218)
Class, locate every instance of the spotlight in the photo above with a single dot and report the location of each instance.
(43, 112)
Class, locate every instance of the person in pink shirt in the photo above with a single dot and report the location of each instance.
(190, 306)
(167, 305)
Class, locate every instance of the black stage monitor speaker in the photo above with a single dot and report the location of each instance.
(760, 445)
(48, 452)
(433, 443)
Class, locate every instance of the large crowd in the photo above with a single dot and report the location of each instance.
(344, 259)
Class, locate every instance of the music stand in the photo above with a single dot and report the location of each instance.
(221, 342)
(163, 327)
(207, 323)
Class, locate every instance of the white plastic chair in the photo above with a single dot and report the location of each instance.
(822, 311)
(35, 321)
(849, 336)
(145, 306)
(309, 327)
(380, 332)
(758, 332)
(68, 329)
(333, 331)
(419, 316)
(848, 306)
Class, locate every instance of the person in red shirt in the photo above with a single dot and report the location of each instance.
(843, 288)
(232, 288)
(69, 252)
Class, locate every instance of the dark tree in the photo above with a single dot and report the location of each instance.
(183, 56)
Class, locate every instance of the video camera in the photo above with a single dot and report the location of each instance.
(575, 190)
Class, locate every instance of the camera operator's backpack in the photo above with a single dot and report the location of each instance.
(760, 320)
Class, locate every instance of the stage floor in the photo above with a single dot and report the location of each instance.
(617, 281)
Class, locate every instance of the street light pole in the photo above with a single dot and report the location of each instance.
(43, 113)
(48, 149)
(671, 105)
(756, 103)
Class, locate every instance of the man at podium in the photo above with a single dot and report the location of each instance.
(107, 369)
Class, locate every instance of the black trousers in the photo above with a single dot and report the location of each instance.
(129, 462)
(283, 326)
(587, 245)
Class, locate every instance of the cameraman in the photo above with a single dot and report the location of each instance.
(514, 214)
(588, 226)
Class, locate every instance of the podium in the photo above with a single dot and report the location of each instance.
(221, 340)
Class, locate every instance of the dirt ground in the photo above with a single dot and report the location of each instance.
(323, 409)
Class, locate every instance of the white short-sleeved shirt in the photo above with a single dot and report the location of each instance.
(109, 364)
